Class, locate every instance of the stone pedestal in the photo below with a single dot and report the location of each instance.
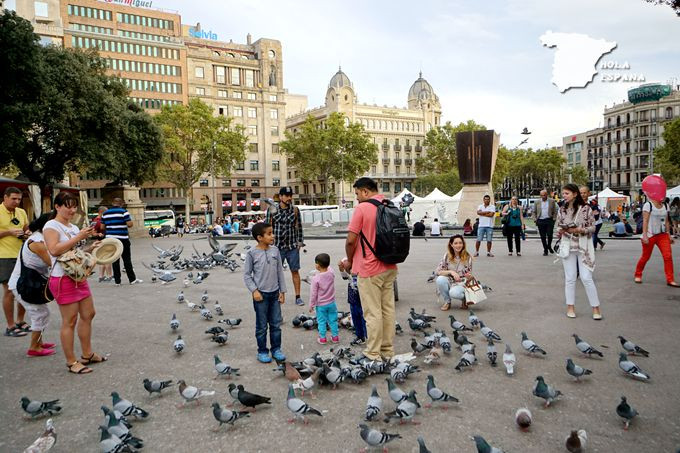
(133, 204)
(471, 198)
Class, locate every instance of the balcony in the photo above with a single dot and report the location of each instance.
(608, 142)
(642, 165)
(397, 147)
(626, 151)
(385, 147)
(397, 161)
(625, 167)
(419, 148)
(644, 134)
(643, 120)
(407, 147)
(408, 161)
(627, 137)
(386, 161)
(617, 140)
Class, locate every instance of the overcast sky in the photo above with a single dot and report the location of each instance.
(483, 58)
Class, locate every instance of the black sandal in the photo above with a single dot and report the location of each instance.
(15, 332)
(82, 370)
(94, 358)
(23, 326)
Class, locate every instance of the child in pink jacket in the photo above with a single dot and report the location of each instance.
(322, 298)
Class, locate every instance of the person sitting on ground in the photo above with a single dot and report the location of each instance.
(419, 228)
(475, 227)
(436, 228)
(322, 299)
(622, 229)
(217, 230)
(453, 268)
(467, 228)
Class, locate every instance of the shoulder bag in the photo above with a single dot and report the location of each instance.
(32, 285)
(474, 293)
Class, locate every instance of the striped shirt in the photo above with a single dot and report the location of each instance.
(115, 219)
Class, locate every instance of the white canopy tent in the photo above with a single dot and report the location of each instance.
(398, 199)
(674, 192)
(436, 205)
(610, 199)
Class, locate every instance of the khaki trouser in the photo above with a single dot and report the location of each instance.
(377, 301)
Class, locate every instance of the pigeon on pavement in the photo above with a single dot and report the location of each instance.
(632, 348)
(233, 392)
(509, 360)
(545, 391)
(585, 348)
(156, 386)
(577, 371)
(227, 416)
(174, 323)
(191, 393)
(179, 344)
(491, 352)
(373, 405)
(230, 322)
(180, 297)
(489, 333)
(218, 309)
(421, 445)
(46, 441)
(117, 428)
(110, 443)
(298, 407)
(484, 447)
(576, 441)
(108, 413)
(523, 418)
(626, 412)
(530, 346)
(406, 410)
(375, 438)
(223, 369)
(37, 408)
(396, 394)
(416, 347)
(292, 374)
(468, 359)
(437, 395)
(631, 369)
(308, 384)
(250, 399)
(473, 319)
(457, 325)
(126, 408)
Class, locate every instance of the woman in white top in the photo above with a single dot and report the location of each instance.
(34, 256)
(656, 229)
(73, 298)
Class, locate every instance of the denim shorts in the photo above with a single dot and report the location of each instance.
(292, 257)
(484, 232)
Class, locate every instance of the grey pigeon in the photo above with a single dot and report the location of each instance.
(421, 445)
(397, 328)
(489, 333)
(230, 322)
(179, 344)
(457, 325)
(631, 369)
(174, 323)
(576, 371)
(37, 408)
(375, 438)
(576, 441)
(298, 407)
(227, 416)
(445, 343)
(218, 309)
(545, 391)
(509, 360)
(110, 443)
(491, 352)
(398, 375)
(374, 404)
(205, 313)
(156, 386)
(437, 395)
(467, 346)
(468, 359)
(530, 346)
(126, 408)
(180, 297)
(484, 447)
(418, 324)
(46, 441)
(220, 338)
(191, 393)
(474, 320)
(585, 348)
(233, 392)
(205, 297)
(626, 412)
(192, 306)
(117, 428)
(108, 413)
(396, 394)
(416, 347)
(459, 338)
(632, 348)
(406, 410)
(523, 418)
(333, 375)
(223, 369)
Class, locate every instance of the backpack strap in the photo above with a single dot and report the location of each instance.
(362, 237)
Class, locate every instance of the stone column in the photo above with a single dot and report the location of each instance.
(133, 204)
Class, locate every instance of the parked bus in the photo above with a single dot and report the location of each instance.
(158, 219)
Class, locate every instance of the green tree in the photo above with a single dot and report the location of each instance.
(60, 112)
(529, 171)
(196, 142)
(449, 183)
(336, 150)
(577, 175)
(667, 157)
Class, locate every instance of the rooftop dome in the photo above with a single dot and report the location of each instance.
(339, 80)
(421, 90)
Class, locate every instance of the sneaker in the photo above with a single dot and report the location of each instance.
(298, 301)
(278, 355)
(263, 357)
(335, 339)
(322, 340)
(358, 341)
(116, 284)
(136, 281)
(41, 353)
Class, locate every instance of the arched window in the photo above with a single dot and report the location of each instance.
(372, 124)
(669, 113)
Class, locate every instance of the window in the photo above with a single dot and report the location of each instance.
(235, 76)
(385, 187)
(252, 96)
(250, 77)
(236, 94)
(203, 183)
(222, 111)
(385, 169)
(254, 165)
(220, 75)
(397, 187)
(41, 9)
(241, 182)
(222, 93)
(198, 72)
(274, 131)
(200, 91)
(252, 147)
(240, 166)
(408, 170)
(226, 182)
(276, 182)
(255, 182)
(238, 111)
(274, 114)
(275, 165)
(273, 98)
(252, 130)
(252, 112)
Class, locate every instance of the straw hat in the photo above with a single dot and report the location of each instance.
(108, 251)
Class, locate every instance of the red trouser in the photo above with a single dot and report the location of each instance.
(663, 241)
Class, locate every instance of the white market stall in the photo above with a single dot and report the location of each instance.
(611, 200)
(674, 192)
(436, 205)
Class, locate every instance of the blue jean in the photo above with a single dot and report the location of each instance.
(268, 313)
(356, 311)
(327, 315)
(449, 291)
(484, 232)
(292, 257)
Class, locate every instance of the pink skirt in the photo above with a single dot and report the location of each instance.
(66, 291)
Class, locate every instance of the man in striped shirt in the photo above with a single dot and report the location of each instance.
(117, 220)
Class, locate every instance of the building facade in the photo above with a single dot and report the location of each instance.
(621, 153)
(574, 150)
(44, 15)
(244, 82)
(399, 134)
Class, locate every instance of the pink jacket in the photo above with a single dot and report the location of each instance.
(323, 289)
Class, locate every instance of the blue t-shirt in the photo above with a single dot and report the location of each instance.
(619, 228)
(115, 219)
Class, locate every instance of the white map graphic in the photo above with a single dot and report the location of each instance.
(575, 58)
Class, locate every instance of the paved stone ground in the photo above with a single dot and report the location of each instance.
(132, 325)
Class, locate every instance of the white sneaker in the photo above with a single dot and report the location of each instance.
(137, 281)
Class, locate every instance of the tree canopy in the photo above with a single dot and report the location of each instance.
(337, 149)
(667, 157)
(60, 112)
(195, 143)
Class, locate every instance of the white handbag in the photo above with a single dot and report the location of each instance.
(474, 293)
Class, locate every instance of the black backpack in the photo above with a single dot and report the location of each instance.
(392, 235)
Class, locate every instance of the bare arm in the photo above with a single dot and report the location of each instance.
(39, 249)
(350, 246)
(56, 248)
(645, 223)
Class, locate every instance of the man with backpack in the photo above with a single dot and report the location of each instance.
(378, 239)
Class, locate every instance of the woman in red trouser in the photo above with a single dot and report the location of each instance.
(655, 228)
